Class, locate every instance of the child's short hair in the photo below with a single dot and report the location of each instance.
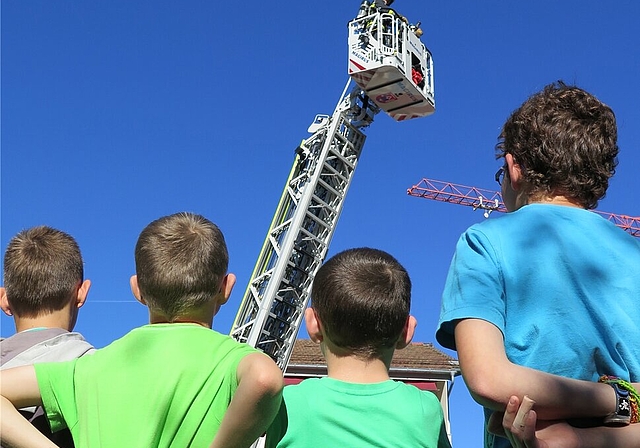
(42, 270)
(565, 141)
(362, 298)
(181, 260)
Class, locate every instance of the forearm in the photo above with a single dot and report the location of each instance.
(492, 378)
(245, 421)
(530, 432)
(606, 437)
(18, 389)
(254, 404)
(16, 431)
(556, 397)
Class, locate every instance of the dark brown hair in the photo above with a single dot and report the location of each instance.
(565, 141)
(362, 297)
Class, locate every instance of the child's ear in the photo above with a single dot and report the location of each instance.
(515, 173)
(314, 326)
(135, 289)
(407, 333)
(4, 302)
(81, 294)
(228, 283)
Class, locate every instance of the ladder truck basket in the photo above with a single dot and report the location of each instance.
(391, 65)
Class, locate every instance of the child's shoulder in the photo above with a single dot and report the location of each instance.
(424, 402)
(303, 388)
(410, 389)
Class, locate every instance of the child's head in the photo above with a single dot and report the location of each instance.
(181, 262)
(43, 273)
(361, 298)
(564, 141)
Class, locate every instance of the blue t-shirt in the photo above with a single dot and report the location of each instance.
(561, 283)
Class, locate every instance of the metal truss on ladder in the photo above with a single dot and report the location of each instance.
(301, 230)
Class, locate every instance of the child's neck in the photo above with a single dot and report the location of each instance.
(56, 319)
(181, 321)
(202, 316)
(197, 317)
(353, 369)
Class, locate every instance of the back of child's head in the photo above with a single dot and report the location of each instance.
(565, 141)
(181, 260)
(362, 298)
(42, 271)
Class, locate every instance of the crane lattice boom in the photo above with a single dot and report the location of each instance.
(491, 201)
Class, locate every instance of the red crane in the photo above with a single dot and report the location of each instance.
(491, 201)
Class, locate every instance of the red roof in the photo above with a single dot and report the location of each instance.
(418, 355)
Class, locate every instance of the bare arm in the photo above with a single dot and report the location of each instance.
(254, 405)
(18, 389)
(492, 378)
(561, 435)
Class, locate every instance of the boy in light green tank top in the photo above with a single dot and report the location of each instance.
(359, 316)
(173, 383)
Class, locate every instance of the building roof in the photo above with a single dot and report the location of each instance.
(419, 364)
(418, 356)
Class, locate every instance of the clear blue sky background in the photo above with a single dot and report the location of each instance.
(116, 112)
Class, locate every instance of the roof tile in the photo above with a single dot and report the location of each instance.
(418, 355)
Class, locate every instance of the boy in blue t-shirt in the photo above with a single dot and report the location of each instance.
(547, 294)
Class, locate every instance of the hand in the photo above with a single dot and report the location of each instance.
(537, 434)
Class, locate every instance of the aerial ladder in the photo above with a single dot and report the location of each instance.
(390, 70)
(491, 201)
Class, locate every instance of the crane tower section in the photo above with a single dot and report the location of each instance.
(491, 201)
(305, 220)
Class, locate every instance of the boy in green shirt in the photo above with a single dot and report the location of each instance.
(172, 383)
(359, 316)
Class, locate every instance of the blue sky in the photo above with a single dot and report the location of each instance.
(117, 112)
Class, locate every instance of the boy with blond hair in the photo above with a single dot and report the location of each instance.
(172, 383)
(44, 287)
(359, 316)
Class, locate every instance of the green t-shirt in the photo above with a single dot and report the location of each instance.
(327, 413)
(161, 385)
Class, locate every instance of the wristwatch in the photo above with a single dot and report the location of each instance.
(622, 414)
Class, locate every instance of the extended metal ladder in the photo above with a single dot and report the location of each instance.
(273, 306)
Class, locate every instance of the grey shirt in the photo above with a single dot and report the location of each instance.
(43, 345)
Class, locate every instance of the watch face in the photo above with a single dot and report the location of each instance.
(622, 415)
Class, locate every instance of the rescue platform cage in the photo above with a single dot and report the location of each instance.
(390, 63)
